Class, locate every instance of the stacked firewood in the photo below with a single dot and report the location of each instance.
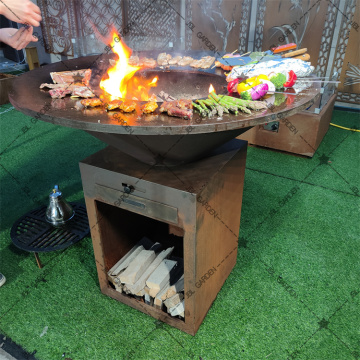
(150, 274)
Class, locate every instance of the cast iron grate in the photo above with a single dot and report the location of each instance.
(32, 233)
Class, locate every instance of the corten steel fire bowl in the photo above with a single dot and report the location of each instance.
(154, 138)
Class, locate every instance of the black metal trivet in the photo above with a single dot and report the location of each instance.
(32, 233)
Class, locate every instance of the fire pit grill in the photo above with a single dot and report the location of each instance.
(181, 141)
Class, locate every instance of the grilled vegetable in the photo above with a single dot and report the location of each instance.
(255, 93)
(232, 85)
(291, 78)
(278, 80)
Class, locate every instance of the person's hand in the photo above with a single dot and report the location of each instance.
(21, 11)
(17, 39)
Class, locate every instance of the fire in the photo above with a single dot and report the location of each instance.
(211, 89)
(153, 81)
(120, 82)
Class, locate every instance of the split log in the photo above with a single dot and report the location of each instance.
(160, 276)
(136, 268)
(141, 282)
(174, 300)
(157, 247)
(148, 299)
(177, 287)
(124, 262)
(158, 300)
(177, 309)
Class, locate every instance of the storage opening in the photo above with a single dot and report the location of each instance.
(143, 258)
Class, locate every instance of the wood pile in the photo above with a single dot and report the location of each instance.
(150, 274)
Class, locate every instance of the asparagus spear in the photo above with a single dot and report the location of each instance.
(204, 107)
(255, 105)
(199, 109)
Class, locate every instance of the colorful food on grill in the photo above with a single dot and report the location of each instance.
(91, 102)
(290, 79)
(149, 107)
(220, 104)
(278, 80)
(255, 93)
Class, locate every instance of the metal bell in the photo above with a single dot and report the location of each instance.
(59, 210)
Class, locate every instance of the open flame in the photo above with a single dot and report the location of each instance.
(211, 89)
(120, 82)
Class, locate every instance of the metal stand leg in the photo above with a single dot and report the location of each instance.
(40, 265)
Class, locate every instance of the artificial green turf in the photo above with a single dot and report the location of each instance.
(294, 292)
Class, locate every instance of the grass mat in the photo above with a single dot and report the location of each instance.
(294, 292)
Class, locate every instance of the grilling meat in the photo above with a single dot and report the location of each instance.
(134, 60)
(69, 77)
(91, 102)
(196, 63)
(186, 60)
(125, 106)
(183, 113)
(204, 63)
(128, 106)
(208, 61)
(149, 107)
(180, 108)
(175, 60)
(60, 92)
(147, 62)
(112, 105)
(180, 104)
(163, 59)
(82, 91)
(51, 86)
